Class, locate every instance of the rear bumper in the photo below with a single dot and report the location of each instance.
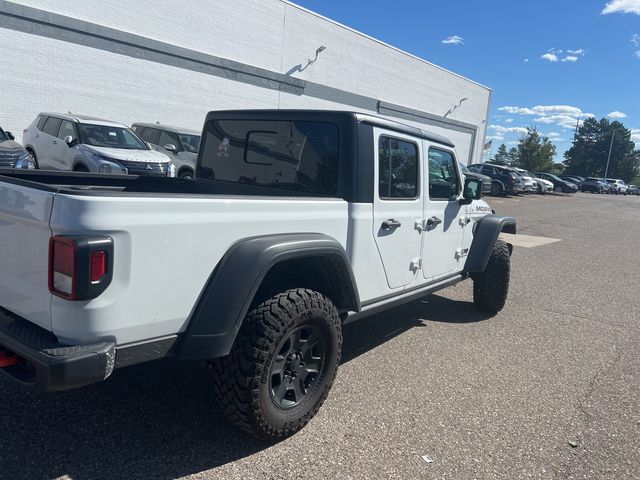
(34, 358)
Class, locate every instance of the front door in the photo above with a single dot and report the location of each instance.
(444, 216)
(398, 206)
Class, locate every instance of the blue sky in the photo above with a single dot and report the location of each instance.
(549, 63)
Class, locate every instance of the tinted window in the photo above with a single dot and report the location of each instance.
(487, 170)
(443, 176)
(190, 142)
(41, 121)
(51, 126)
(398, 167)
(167, 138)
(293, 156)
(151, 135)
(66, 129)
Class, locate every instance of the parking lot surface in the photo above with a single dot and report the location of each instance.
(549, 388)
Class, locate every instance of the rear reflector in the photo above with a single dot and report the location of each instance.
(98, 265)
(8, 359)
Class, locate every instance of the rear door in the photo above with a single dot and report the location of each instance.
(49, 143)
(24, 236)
(444, 216)
(397, 205)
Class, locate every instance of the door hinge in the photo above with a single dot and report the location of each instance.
(416, 264)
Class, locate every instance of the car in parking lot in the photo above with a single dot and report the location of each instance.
(633, 190)
(486, 181)
(12, 154)
(576, 179)
(181, 144)
(594, 185)
(504, 181)
(532, 183)
(617, 186)
(559, 185)
(85, 144)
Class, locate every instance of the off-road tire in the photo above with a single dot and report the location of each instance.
(243, 378)
(490, 288)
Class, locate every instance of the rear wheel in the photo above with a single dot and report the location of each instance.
(282, 364)
(186, 173)
(496, 189)
(490, 288)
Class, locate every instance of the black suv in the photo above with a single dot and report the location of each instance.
(503, 180)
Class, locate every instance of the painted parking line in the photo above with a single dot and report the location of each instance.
(527, 241)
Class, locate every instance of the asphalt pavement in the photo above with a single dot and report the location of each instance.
(548, 388)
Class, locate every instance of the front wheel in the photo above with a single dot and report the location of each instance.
(490, 288)
(558, 189)
(282, 364)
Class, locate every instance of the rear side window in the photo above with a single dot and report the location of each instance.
(295, 156)
(51, 126)
(443, 175)
(151, 135)
(398, 168)
(41, 121)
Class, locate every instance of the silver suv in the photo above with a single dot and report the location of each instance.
(84, 144)
(181, 144)
(12, 154)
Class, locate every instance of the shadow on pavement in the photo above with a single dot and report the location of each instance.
(158, 420)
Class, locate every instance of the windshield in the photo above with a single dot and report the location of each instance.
(110, 137)
(190, 143)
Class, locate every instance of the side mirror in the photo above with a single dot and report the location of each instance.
(472, 191)
(69, 140)
(170, 147)
(10, 136)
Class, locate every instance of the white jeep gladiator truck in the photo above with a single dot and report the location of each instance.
(296, 223)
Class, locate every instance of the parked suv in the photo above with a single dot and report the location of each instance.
(84, 144)
(12, 154)
(617, 186)
(181, 144)
(594, 185)
(486, 181)
(503, 180)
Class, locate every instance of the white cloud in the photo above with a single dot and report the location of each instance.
(453, 40)
(500, 130)
(635, 135)
(579, 51)
(552, 57)
(570, 58)
(564, 116)
(635, 39)
(508, 120)
(622, 6)
(526, 60)
(497, 138)
(637, 53)
(617, 114)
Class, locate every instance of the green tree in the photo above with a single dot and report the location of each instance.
(502, 156)
(513, 156)
(590, 150)
(535, 152)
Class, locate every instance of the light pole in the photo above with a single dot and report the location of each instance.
(606, 170)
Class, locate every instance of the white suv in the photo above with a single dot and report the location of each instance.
(83, 144)
(617, 186)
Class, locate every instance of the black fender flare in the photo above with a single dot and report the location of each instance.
(231, 288)
(486, 231)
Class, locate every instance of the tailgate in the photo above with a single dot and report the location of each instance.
(24, 251)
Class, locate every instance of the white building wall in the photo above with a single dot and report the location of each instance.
(40, 73)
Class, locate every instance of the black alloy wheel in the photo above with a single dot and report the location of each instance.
(297, 365)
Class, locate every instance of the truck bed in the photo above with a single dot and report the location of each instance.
(74, 183)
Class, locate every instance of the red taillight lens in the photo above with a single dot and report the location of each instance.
(98, 265)
(62, 267)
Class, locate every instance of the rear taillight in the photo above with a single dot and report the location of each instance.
(62, 267)
(80, 268)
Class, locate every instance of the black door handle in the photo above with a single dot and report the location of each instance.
(391, 223)
(433, 221)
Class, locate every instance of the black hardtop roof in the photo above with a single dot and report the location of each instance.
(327, 115)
